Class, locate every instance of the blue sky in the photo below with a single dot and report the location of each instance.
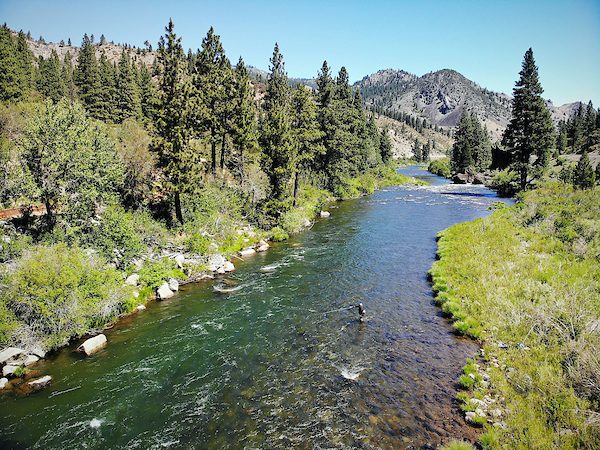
(484, 40)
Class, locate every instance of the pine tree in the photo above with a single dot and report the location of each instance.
(67, 77)
(307, 134)
(530, 132)
(50, 82)
(148, 94)
(276, 136)
(87, 78)
(213, 82)
(244, 125)
(175, 158)
(342, 85)
(584, 177)
(425, 156)
(385, 146)
(417, 151)
(324, 85)
(106, 107)
(14, 81)
(127, 89)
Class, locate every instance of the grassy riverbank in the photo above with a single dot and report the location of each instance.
(525, 282)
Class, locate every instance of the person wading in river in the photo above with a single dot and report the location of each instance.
(362, 313)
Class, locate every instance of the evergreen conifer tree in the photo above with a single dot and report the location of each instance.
(530, 132)
(50, 82)
(584, 177)
(127, 89)
(87, 79)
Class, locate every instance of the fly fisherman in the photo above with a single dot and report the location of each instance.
(362, 313)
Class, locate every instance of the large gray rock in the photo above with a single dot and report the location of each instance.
(180, 259)
(30, 360)
(479, 178)
(10, 353)
(228, 266)
(247, 251)
(164, 291)
(37, 351)
(40, 383)
(215, 261)
(3, 382)
(92, 345)
(173, 284)
(133, 279)
(9, 370)
(462, 178)
(324, 214)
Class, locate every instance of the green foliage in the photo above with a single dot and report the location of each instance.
(584, 177)
(505, 183)
(114, 235)
(458, 445)
(73, 163)
(472, 148)
(57, 293)
(155, 273)
(87, 79)
(279, 234)
(540, 259)
(440, 167)
(15, 66)
(530, 132)
(197, 243)
(50, 82)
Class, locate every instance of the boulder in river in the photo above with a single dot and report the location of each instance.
(140, 307)
(164, 291)
(324, 214)
(31, 359)
(92, 345)
(40, 383)
(478, 178)
(215, 261)
(247, 251)
(37, 351)
(3, 382)
(462, 178)
(228, 266)
(133, 279)
(10, 353)
(263, 248)
(9, 370)
(173, 284)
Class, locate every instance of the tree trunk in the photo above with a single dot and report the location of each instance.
(213, 153)
(178, 212)
(223, 149)
(50, 220)
(296, 186)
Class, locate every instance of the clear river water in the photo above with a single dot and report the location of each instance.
(279, 361)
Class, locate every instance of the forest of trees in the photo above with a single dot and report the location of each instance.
(199, 104)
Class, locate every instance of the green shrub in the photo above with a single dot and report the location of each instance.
(57, 293)
(466, 381)
(505, 183)
(440, 167)
(197, 243)
(279, 234)
(114, 235)
(12, 245)
(155, 273)
(458, 445)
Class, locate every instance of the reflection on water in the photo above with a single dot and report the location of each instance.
(273, 356)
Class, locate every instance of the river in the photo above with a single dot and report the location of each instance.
(280, 361)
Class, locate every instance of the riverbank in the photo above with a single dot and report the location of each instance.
(57, 293)
(524, 282)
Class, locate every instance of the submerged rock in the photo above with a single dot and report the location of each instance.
(324, 214)
(40, 383)
(263, 248)
(10, 353)
(140, 307)
(173, 284)
(92, 345)
(164, 291)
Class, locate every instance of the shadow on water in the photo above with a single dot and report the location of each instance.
(281, 362)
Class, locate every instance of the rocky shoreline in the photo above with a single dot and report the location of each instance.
(18, 364)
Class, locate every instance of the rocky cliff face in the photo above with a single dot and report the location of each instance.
(442, 97)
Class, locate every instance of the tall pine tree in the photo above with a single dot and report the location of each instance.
(530, 133)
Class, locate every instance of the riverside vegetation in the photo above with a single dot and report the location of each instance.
(136, 165)
(534, 303)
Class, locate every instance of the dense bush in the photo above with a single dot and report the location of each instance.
(57, 293)
(505, 183)
(440, 167)
(155, 273)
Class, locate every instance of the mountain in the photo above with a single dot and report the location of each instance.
(441, 98)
